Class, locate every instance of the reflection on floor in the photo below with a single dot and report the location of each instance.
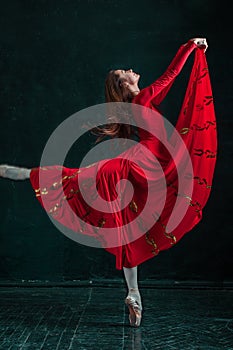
(96, 318)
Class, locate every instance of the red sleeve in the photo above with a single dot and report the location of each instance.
(159, 89)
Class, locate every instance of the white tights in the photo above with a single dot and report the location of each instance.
(14, 173)
(131, 278)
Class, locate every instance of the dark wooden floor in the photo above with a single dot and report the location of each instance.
(96, 318)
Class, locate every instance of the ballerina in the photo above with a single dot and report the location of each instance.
(199, 134)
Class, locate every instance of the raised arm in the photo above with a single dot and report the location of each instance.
(159, 89)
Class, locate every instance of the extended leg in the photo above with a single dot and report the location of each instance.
(14, 173)
(133, 299)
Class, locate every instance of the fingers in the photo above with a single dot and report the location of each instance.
(198, 39)
(201, 43)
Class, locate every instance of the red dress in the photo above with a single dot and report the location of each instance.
(132, 245)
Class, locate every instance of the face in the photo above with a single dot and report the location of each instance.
(127, 76)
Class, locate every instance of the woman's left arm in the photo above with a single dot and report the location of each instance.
(159, 89)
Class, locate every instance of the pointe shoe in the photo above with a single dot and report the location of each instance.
(135, 311)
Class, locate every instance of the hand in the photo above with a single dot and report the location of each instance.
(201, 43)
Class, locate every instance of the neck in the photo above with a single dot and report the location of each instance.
(134, 90)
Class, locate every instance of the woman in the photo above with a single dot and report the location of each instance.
(197, 126)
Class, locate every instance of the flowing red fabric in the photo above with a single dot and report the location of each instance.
(196, 124)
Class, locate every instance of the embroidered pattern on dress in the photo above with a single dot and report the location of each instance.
(202, 181)
(151, 241)
(200, 152)
(157, 217)
(191, 202)
(196, 127)
(133, 206)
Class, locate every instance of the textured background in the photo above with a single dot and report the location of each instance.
(54, 56)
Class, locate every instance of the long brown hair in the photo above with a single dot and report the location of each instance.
(114, 93)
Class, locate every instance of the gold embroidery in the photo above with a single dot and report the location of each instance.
(89, 166)
(168, 235)
(192, 203)
(184, 196)
(101, 222)
(197, 127)
(198, 207)
(206, 125)
(44, 191)
(44, 168)
(68, 196)
(184, 131)
(71, 193)
(53, 211)
(157, 217)
(55, 185)
(179, 194)
(203, 75)
(202, 181)
(151, 241)
(133, 206)
(208, 100)
(82, 222)
(200, 152)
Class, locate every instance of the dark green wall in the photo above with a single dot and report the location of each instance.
(54, 56)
